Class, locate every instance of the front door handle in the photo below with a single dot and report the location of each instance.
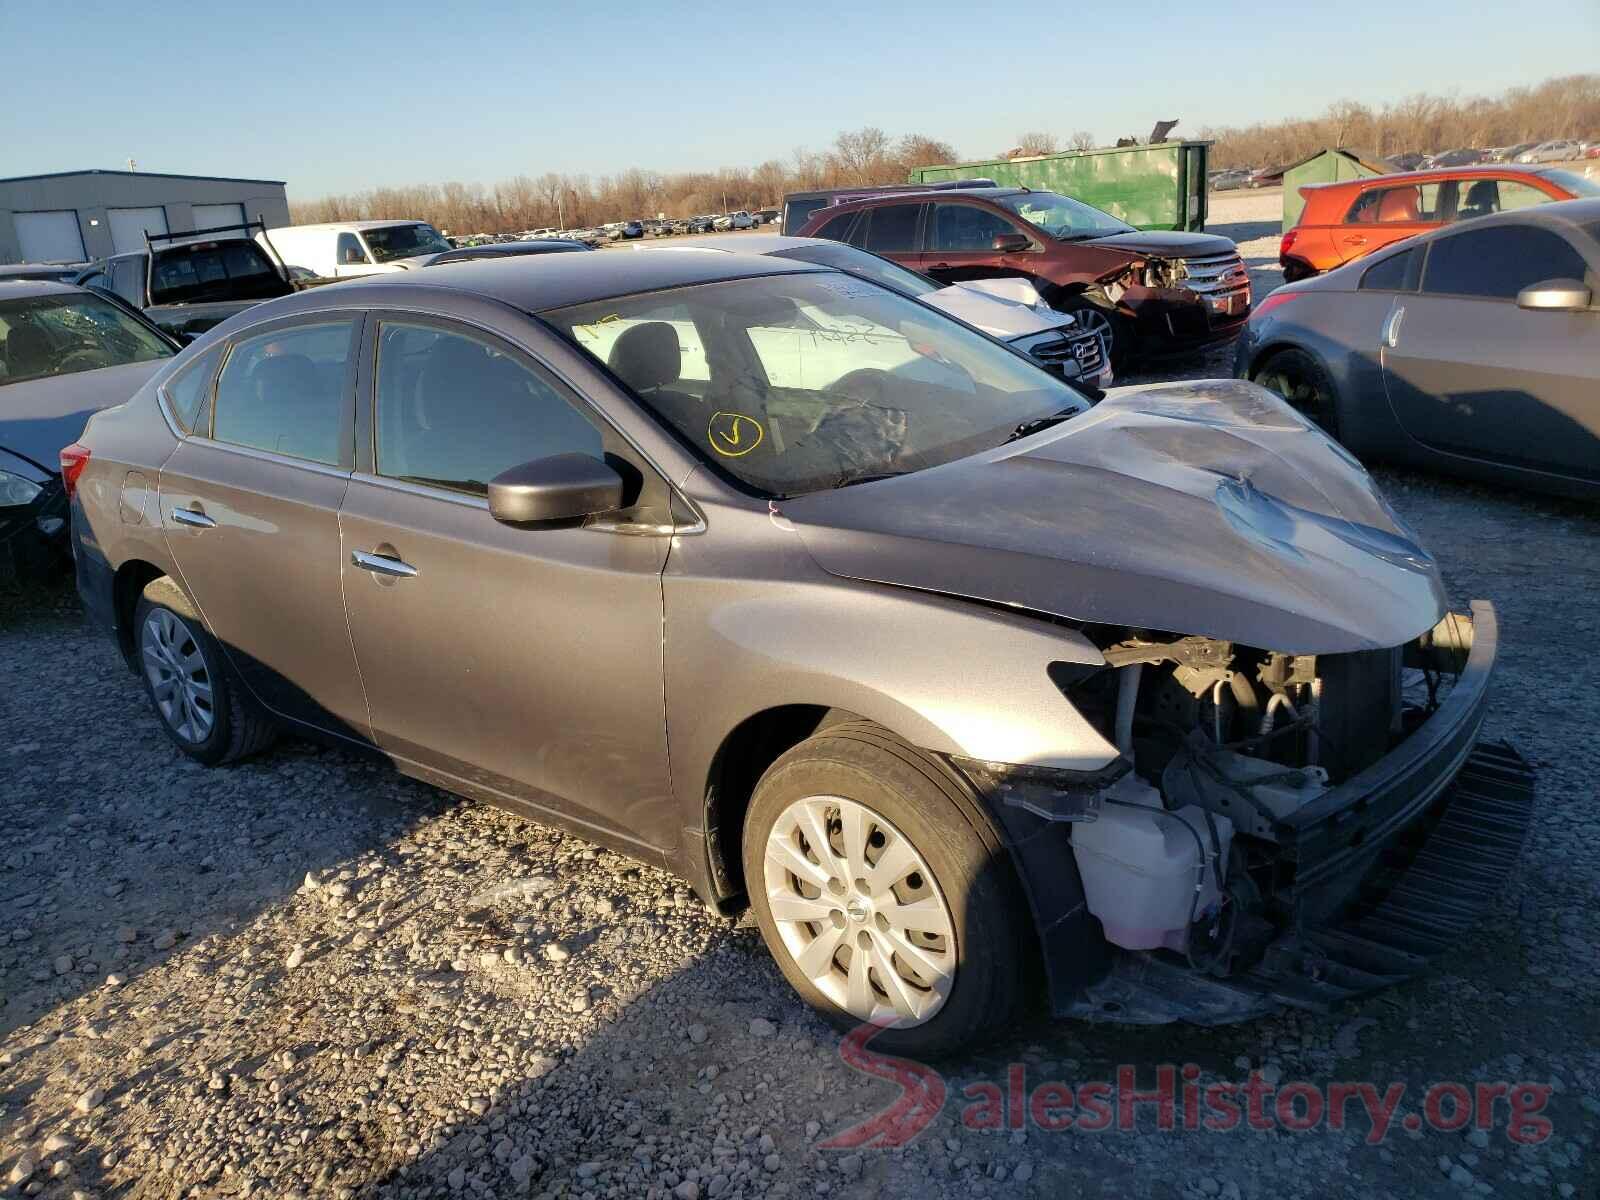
(382, 564)
(1391, 331)
(192, 517)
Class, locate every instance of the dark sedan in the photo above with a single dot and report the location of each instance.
(1474, 350)
(65, 353)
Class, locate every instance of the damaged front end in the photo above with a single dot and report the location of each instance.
(1179, 300)
(1278, 829)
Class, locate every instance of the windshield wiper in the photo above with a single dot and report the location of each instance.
(1029, 428)
(848, 480)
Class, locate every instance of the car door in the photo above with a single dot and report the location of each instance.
(1469, 372)
(960, 243)
(250, 505)
(505, 662)
(1382, 216)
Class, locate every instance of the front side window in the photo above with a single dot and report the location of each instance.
(1481, 197)
(349, 251)
(1063, 218)
(390, 242)
(1498, 262)
(454, 411)
(893, 229)
(1412, 204)
(285, 392)
(814, 380)
(967, 227)
(65, 334)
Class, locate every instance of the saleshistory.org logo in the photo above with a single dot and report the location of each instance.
(1177, 1101)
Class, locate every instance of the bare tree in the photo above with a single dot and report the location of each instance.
(1082, 140)
(1030, 144)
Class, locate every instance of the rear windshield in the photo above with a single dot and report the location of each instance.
(62, 335)
(205, 271)
(403, 241)
(1578, 185)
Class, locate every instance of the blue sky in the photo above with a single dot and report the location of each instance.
(341, 97)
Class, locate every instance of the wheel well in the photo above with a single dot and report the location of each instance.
(132, 578)
(744, 756)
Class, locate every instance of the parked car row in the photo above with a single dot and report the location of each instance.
(978, 683)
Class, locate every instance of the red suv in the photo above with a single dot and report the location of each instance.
(1145, 292)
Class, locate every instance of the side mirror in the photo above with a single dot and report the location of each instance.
(1562, 295)
(562, 487)
(1011, 243)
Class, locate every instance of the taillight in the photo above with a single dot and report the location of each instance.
(74, 459)
(1272, 302)
(1287, 243)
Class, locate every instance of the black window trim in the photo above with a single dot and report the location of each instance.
(321, 316)
(1401, 249)
(169, 407)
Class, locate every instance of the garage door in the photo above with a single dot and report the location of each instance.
(50, 236)
(129, 225)
(214, 216)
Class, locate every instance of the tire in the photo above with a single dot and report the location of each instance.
(951, 866)
(211, 719)
(1114, 328)
(1305, 386)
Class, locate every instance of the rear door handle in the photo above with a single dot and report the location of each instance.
(1355, 241)
(382, 564)
(192, 517)
(1391, 331)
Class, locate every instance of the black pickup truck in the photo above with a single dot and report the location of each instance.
(188, 282)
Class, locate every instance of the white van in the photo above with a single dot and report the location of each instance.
(339, 249)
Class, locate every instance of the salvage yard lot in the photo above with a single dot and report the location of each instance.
(307, 976)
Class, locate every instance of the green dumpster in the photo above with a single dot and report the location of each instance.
(1325, 166)
(1159, 186)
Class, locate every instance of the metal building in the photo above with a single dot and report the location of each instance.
(72, 216)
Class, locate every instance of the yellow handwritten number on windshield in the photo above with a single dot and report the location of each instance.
(734, 434)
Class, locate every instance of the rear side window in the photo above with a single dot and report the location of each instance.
(285, 392)
(1498, 262)
(1397, 273)
(1396, 205)
(838, 229)
(189, 389)
(454, 411)
(966, 227)
(893, 229)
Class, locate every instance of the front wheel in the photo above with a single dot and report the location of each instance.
(884, 894)
(1304, 383)
(1115, 331)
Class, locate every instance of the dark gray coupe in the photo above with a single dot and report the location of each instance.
(1474, 350)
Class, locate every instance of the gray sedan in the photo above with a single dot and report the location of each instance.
(836, 607)
(1474, 350)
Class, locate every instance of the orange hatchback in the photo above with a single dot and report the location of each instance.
(1345, 220)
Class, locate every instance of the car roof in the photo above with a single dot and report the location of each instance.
(1431, 173)
(350, 226)
(541, 282)
(26, 289)
(920, 197)
(510, 249)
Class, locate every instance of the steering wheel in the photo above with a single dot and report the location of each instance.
(84, 358)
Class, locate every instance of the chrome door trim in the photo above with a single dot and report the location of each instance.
(287, 460)
(1391, 329)
(382, 564)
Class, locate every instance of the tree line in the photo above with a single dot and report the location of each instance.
(1562, 107)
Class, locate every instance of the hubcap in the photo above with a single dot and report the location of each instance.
(1299, 391)
(1095, 321)
(178, 677)
(859, 912)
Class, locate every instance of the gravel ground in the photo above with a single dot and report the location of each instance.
(305, 976)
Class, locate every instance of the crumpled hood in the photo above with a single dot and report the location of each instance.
(1205, 508)
(1165, 243)
(39, 416)
(997, 316)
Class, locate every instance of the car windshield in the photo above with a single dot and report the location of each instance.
(230, 270)
(804, 382)
(62, 335)
(1062, 217)
(403, 241)
(859, 262)
(1578, 185)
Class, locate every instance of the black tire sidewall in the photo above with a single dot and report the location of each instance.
(1307, 366)
(1121, 350)
(163, 594)
(970, 871)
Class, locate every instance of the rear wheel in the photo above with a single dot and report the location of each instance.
(884, 894)
(202, 709)
(1302, 381)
